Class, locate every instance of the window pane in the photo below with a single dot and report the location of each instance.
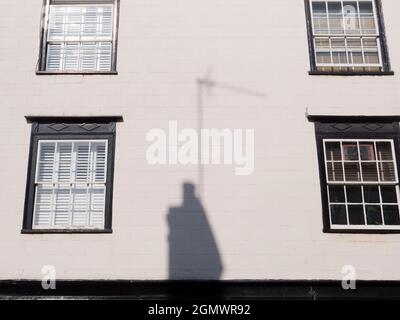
(336, 194)
(71, 57)
(78, 23)
(97, 201)
(391, 215)
(339, 57)
(62, 207)
(366, 8)
(352, 171)
(370, 172)
(43, 206)
(371, 57)
(80, 213)
(338, 214)
(371, 194)
(367, 17)
(389, 194)
(64, 162)
(320, 18)
(384, 150)
(350, 151)
(374, 216)
(350, 11)
(387, 172)
(335, 171)
(324, 57)
(367, 151)
(322, 43)
(356, 215)
(319, 7)
(335, 17)
(46, 162)
(354, 194)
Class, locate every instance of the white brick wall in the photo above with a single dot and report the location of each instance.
(268, 225)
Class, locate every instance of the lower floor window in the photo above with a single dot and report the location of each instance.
(70, 176)
(359, 174)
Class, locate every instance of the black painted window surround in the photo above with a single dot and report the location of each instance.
(358, 163)
(70, 175)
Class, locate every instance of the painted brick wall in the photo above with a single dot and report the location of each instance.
(267, 225)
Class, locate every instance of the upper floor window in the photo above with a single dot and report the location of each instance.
(347, 37)
(79, 37)
(70, 176)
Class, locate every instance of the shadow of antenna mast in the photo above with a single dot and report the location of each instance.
(205, 85)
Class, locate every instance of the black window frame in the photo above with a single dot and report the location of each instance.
(49, 128)
(335, 127)
(41, 65)
(386, 66)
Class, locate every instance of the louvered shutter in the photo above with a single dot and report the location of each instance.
(80, 207)
(64, 162)
(55, 52)
(99, 153)
(43, 206)
(80, 38)
(97, 206)
(46, 160)
(82, 151)
(71, 184)
(62, 206)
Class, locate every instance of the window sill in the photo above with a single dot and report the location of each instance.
(41, 73)
(350, 73)
(358, 231)
(65, 231)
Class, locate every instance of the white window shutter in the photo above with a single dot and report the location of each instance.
(90, 23)
(80, 214)
(57, 23)
(62, 207)
(43, 206)
(104, 50)
(46, 162)
(71, 56)
(100, 162)
(70, 184)
(64, 162)
(82, 172)
(55, 56)
(97, 206)
(89, 56)
(106, 22)
(80, 38)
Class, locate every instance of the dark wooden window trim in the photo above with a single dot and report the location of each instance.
(41, 65)
(352, 128)
(383, 44)
(74, 128)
